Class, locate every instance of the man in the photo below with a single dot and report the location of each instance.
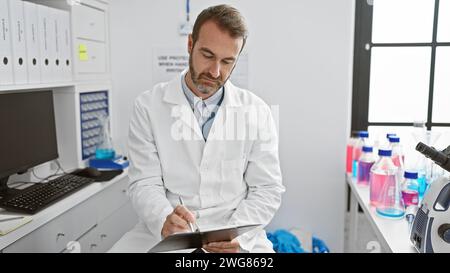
(200, 139)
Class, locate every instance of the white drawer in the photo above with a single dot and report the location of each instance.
(89, 23)
(111, 199)
(89, 242)
(114, 227)
(101, 238)
(96, 57)
(54, 236)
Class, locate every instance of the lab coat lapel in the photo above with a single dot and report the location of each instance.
(181, 109)
(225, 115)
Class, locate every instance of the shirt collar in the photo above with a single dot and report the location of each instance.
(192, 98)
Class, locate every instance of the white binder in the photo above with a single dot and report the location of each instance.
(51, 21)
(32, 42)
(18, 41)
(46, 44)
(65, 44)
(58, 34)
(6, 69)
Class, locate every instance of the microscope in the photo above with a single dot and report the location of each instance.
(430, 232)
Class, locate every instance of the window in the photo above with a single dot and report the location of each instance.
(402, 67)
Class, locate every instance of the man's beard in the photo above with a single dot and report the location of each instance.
(202, 88)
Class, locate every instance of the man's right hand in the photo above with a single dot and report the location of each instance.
(177, 221)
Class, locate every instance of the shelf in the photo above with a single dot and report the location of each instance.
(39, 86)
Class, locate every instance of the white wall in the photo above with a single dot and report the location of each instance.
(300, 58)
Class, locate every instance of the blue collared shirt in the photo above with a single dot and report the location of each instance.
(204, 110)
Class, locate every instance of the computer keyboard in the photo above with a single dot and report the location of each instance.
(42, 195)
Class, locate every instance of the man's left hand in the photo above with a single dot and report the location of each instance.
(223, 247)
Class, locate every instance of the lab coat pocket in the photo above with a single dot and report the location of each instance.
(232, 183)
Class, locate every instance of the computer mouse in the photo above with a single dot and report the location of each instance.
(90, 172)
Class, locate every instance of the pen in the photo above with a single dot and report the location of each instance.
(12, 218)
(190, 224)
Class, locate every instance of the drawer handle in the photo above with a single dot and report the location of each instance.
(103, 236)
(93, 246)
(60, 235)
(73, 247)
(124, 191)
(92, 24)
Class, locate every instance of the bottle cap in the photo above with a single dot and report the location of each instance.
(363, 134)
(384, 152)
(394, 139)
(410, 175)
(367, 149)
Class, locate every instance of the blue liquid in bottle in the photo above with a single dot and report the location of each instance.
(355, 168)
(357, 150)
(104, 153)
(104, 149)
(422, 180)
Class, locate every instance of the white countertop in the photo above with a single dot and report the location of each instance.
(392, 233)
(53, 211)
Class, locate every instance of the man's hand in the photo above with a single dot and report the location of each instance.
(223, 247)
(177, 221)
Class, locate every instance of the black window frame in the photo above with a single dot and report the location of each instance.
(361, 68)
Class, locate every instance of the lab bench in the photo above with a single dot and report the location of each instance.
(89, 220)
(393, 235)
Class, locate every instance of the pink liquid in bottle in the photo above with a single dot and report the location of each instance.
(410, 197)
(357, 153)
(349, 160)
(377, 182)
(396, 160)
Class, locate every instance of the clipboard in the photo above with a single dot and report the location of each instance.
(186, 240)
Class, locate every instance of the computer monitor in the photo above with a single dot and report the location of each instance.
(27, 133)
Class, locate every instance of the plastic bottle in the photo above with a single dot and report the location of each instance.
(390, 202)
(397, 152)
(398, 157)
(349, 155)
(357, 149)
(365, 163)
(410, 189)
(382, 172)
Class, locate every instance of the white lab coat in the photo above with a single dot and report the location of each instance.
(224, 181)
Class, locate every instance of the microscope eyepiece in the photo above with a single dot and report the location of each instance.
(421, 147)
(426, 150)
(438, 157)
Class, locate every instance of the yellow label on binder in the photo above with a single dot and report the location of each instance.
(82, 52)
